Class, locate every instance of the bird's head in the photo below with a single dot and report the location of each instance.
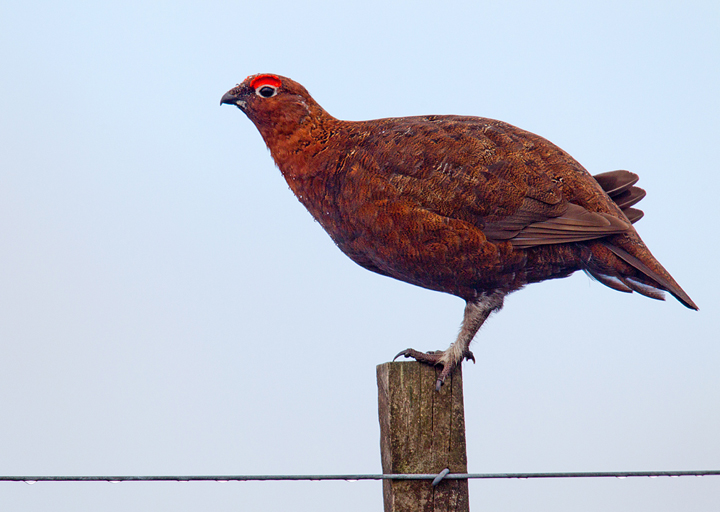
(273, 103)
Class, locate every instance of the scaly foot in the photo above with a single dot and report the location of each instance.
(436, 358)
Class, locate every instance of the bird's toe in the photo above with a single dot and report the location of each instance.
(431, 358)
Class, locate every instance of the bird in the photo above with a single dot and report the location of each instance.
(470, 206)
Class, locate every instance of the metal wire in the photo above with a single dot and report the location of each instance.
(430, 476)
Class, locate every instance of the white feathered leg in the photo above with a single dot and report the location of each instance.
(476, 312)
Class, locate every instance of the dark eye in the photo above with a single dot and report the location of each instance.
(266, 91)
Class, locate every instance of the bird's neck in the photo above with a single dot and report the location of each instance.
(295, 145)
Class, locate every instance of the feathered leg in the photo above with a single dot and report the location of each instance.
(476, 312)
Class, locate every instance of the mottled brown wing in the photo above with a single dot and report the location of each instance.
(576, 225)
(491, 175)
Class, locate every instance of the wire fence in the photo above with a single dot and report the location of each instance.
(436, 478)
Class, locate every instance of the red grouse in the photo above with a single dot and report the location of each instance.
(464, 205)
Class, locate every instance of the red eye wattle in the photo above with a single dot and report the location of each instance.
(260, 80)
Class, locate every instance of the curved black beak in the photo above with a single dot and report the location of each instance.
(236, 96)
(230, 99)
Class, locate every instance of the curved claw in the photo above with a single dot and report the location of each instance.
(403, 353)
(431, 358)
(448, 369)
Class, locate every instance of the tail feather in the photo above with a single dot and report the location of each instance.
(619, 186)
(613, 280)
(622, 283)
(633, 214)
(649, 289)
(628, 198)
(616, 182)
(645, 289)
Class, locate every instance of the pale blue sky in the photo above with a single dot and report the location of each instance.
(168, 307)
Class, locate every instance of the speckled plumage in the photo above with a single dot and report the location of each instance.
(465, 205)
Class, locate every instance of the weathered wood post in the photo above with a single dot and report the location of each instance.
(421, 431)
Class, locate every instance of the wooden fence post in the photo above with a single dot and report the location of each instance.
(421, 431)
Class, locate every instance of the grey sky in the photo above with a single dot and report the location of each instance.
(168, 307)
